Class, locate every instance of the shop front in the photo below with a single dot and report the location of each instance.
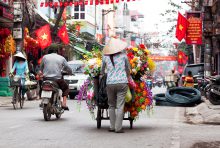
(7, 46)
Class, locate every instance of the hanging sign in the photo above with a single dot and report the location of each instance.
(17, 33)
(194, 30)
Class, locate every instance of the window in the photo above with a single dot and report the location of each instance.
(82, 15)
(79, 12)
(76, 15)
(82, 8)
(76, 8)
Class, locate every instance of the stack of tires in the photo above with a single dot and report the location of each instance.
(179, 96)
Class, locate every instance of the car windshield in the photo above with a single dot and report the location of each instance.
(77, 68)
(196, 70)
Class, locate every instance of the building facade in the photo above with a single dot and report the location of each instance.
(211, 33)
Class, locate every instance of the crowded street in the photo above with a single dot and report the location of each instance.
(109, 74)
(166, 127)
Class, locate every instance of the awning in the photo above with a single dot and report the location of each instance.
(82, 50)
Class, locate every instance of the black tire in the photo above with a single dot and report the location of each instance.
(46, 112)
(214, 99)
(21, 100)
(58, 115)
(72, 95)
(131, 123)
(190, 96)
(15, 101)
(99, 118)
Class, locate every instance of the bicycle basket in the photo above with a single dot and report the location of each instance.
(15, 81)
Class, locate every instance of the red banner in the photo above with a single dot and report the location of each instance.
(163, 58)
(81, 2)
(194, 30)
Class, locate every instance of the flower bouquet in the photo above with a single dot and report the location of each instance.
(93, 62)
(92, 68)
(140, 65)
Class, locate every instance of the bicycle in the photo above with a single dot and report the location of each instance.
(15, 82)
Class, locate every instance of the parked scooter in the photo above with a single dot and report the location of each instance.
(214, 92)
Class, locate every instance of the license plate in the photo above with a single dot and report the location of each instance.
(46, 94)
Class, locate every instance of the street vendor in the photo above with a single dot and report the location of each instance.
(115, 63)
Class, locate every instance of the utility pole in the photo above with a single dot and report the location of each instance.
(104, 12)
(18, 31)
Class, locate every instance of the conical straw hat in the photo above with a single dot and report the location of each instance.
(114, 46)
(20, 55)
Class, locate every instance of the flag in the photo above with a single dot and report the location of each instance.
(181, 27)
(182, 58)
(62, 34)
(43, 36)
(180, 69)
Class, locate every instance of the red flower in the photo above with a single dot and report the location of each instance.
(130, 55)
(142, 46)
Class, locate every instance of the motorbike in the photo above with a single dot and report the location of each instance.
(214, 90)
(51, 96)
(159, 83)
(204, 86)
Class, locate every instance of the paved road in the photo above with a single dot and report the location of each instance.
(76, 129)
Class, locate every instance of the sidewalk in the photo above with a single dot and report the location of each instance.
(5, 100)
(204, 113)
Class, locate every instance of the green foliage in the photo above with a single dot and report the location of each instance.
(168, 16)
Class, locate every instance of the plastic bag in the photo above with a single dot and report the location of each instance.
(128, 96)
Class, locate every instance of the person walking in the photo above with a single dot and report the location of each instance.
(115, 63)
(189, 81)
(175, 77)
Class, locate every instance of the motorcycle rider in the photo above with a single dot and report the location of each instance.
(51, 68)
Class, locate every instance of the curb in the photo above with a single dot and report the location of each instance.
(204, 113)
(5, 101)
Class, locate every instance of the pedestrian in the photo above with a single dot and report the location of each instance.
(20, 68)
(175, 77)
(189, 81)
(115, 63)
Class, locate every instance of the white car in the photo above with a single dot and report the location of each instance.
(78, 78)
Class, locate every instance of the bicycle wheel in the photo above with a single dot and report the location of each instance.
(21, 99)
(15, 101)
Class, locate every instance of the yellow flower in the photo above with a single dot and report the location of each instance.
(147, 51)
(135, 49)
(99, 62)
(135, 59)
(151, 64)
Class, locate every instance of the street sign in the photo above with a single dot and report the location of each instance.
(17, 12)
(17, 33)
(17, 8)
